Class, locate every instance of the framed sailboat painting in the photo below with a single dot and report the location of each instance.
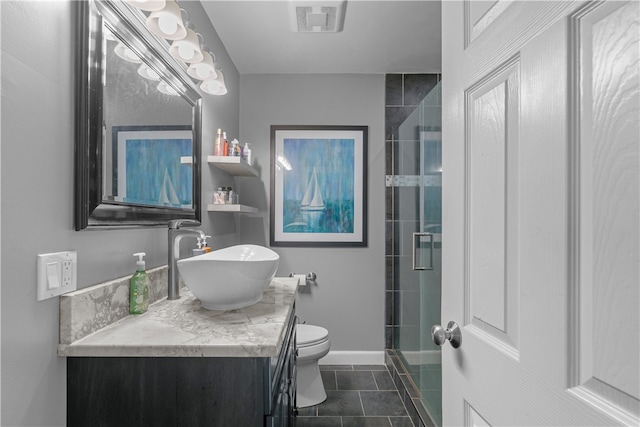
(318, 186)
(148, 168)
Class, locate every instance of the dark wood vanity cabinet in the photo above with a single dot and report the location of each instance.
(282, 404)
(184, 391)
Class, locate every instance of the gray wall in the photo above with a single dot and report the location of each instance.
(349, 297)
(37, 176)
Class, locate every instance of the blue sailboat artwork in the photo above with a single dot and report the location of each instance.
(318, 192)
(155, 175)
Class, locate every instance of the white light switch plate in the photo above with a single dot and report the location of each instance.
(56, 274)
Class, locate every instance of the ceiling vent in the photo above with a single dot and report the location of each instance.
(316, 16)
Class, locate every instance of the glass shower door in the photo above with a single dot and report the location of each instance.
(418, 213)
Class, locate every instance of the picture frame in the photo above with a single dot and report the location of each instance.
(319, 186)
(152, 165)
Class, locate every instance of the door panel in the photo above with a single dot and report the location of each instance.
(491, 152)
(541, 190)
(608, 166)
(480, 14)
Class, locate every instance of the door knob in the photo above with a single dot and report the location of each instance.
(453, 333)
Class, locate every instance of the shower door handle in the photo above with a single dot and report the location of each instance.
(416, 238)
(453, 334)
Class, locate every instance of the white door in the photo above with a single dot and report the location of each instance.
(541, 194)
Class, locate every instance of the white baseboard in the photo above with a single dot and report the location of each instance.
(353, 358)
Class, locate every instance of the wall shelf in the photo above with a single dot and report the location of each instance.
(231, 208)
(233, 165)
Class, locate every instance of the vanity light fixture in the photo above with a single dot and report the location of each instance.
(204, 69)
(188, 48)
(145, 71)
(167, 23)
(187, 45)
(215, 86)
(126, 53)
(148, 5)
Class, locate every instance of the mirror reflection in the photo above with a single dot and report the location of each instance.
(148, 152)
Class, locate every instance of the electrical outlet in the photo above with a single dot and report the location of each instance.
(56, 274)
(67, 273)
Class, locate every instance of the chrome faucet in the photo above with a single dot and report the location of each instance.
(176, 233)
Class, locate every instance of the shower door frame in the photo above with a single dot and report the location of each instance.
(418, 290)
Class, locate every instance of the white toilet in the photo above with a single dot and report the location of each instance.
(312, 343)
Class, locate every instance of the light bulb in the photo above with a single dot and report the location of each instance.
(211, 86)
(188, 48)
(167, 24)
(186, 51)
(203, 71)
(126, 53)
(148, 73)
(166, 88)
(131, 54)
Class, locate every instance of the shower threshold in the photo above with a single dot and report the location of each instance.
(409, 393)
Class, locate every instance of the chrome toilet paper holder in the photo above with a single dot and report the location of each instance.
(310, 277)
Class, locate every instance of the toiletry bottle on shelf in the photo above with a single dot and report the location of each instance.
(227, 191)
(235, 148)
(225, 144)
(247, 153)
(139, 290)
(200, 249)
(218, 197)
(205, 245)
(217, 147)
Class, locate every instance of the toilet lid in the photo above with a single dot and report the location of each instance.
(307, 335)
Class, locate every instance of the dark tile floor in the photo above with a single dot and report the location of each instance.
(357, 396)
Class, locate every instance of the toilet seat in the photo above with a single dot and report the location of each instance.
(310, 335)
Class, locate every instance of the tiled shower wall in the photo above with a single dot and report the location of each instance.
(403, 94)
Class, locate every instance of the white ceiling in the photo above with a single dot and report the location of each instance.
(379, 37)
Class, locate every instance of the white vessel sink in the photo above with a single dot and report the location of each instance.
(230, 278)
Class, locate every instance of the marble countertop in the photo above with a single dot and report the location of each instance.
(182, 328)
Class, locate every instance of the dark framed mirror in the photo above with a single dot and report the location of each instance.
(138, 124)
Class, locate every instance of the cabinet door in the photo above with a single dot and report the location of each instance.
(293, 376)
(181, 391)
(278, 412)
(283, 392)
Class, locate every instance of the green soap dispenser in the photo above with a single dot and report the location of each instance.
(139, 291)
